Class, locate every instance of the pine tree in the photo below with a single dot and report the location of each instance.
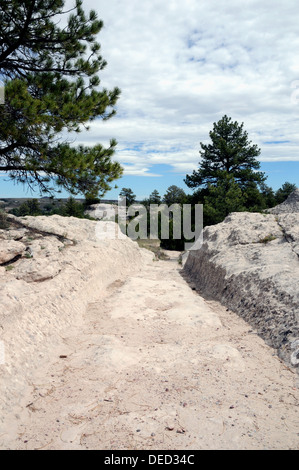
(154, 197)
(72, 208)
(29, 207)
(51, 82)
(229, 153)
(174, 195)
(129, 195)
(224, 197)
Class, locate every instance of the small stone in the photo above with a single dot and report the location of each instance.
(181, 431)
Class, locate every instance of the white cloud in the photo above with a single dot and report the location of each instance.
(182, 65)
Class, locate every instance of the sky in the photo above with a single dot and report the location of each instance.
(182, 65)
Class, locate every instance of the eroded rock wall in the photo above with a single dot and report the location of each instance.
(250, 263)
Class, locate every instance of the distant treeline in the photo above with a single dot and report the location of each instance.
(228, 180)
(68, 208)
(217, 202)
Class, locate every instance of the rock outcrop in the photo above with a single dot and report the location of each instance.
(10, 250)
(290, 205)
(52, 267)
(250, 263)
(102, 211)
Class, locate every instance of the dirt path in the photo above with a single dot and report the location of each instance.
(155, 366)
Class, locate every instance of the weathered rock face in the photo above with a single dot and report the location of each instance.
(57, 266)
(102, 211)
(250, 263)
(10, 250)
(290, 205)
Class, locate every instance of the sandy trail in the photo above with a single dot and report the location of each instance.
(155, 366)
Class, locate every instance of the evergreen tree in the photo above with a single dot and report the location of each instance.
(268, 196)
(73, 208)
(174, 195)
(229, 153)
(224, 197)
(154, 197)
(29, 207)
(51, 86)
(129, 195)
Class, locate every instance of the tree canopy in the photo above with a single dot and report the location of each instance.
(222, 199)
(230, 153)
(51, 82)
(154, 197)
(129, 195)
(174, 195)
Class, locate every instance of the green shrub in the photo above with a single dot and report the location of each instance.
(29, 207)
(9, 267)
(267, 239)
